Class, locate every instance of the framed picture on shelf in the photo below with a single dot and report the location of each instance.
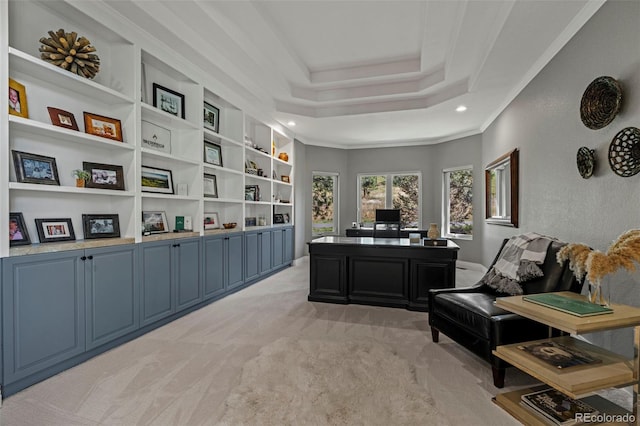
(211, 117)
(212, 154)
(18, 99)
(100, 226)
(55, 230)
(285, 179)
(278, 218)
(18, 234)
(62, 118)
(252, 193)
(168, 100)
(104, 176)
(156, 137)
(154, 222)
(286, 217)
(33, 168)
(156, 180)
(250, 221)
(210, 184)
(100, 125)
(211, 221)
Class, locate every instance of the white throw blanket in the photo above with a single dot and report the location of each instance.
(518, 262)
(520, 252)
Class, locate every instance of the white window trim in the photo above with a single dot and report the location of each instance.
(336, 203)
(445, 203)
(389, 193)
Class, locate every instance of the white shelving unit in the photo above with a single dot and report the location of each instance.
(123, 89)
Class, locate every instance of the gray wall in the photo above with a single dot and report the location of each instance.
(544, 122)
(430, 160)
(319, 159)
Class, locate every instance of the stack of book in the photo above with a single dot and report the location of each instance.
(558, 354)
(555, 406)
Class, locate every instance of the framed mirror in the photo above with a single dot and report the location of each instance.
(501, 188)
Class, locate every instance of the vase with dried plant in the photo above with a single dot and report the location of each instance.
(596, 265)
(81, 177)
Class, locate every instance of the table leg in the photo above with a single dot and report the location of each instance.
(636, 372)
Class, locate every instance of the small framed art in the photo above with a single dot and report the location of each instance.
(211, 221)
(156, 137)
(286, 217)
(278, 218)
(168, 100)
(102, 126)
(18, 234)
(212, 154)
(154, 222)
(285, 179)
(104, 176)
(55, 230)
(33, 168)
(252, 193)
(100, 226)
(211, 117)
(156, 180)
(62, 118)
(210, 185)
(18, 99)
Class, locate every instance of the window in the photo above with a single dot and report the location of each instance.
(403, 193)
(458, 202)
(324, 209)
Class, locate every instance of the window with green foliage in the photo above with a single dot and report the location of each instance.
(324, 211)
(402, 193)
(458, 202)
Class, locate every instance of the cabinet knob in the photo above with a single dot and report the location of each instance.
(176, 245)
(90, 257)
(83, 258)
(226, 238)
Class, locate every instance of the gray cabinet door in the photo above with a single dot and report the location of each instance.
(277, 254)
(252, 255)
(288, 245)
(111, 289)
(187, 266)
(213, 263)
(265, 251)
(156, 281)
(42, 311)
(234, 260)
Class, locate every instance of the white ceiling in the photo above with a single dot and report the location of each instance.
(368, 73)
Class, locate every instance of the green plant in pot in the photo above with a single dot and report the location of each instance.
(81, 177)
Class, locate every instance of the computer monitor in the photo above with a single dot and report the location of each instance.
(388, 215)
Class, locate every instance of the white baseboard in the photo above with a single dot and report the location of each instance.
(471, 266)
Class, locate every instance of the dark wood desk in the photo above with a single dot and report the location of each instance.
(368, 232)
(379, 271)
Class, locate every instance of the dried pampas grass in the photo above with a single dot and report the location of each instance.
(623, 253)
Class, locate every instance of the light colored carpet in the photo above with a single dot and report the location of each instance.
(184, 373)
(326, 382)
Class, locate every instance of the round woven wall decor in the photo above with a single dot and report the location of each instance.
(600, 102)
(624, 152)
(586, 161)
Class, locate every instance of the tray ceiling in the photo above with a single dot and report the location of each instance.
(356, 74)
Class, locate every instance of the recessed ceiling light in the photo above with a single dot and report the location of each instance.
(291, 123)
(461, 108)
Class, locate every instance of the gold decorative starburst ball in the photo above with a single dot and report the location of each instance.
(70, 52)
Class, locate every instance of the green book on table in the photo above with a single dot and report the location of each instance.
(566, 304)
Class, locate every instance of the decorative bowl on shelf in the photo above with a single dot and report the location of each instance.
(229, 225)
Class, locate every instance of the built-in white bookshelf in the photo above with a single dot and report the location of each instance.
(132, 68)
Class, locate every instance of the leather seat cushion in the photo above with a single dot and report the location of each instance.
(472, 311)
